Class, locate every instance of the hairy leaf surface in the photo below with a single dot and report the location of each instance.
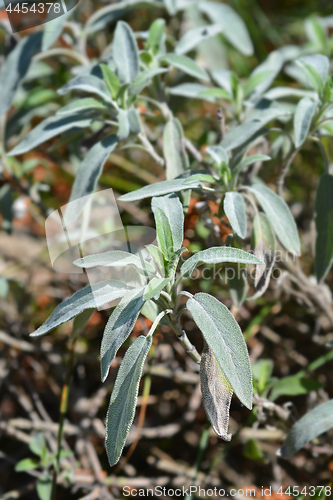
(124, 396)
(119, 327)
(216, 255)
(224, 337)
(89, 297)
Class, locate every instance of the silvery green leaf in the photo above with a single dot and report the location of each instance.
(119, 327)
(224, 337)
(195, 35)
(4, 287)
(90, 297)
(281, 92)
(49, 128)
(315, 67)
(216, 393)
(218, 154)
(264, 74)
(123, 125)
(151, 310)
(324, 225)
(237, 283)
(142, 80)
(87, 176)
(266, 111)
(82, 105)
(124, 396)
(155, 37)
(214, 93)
(111, 80)
(316, 32)
(171, 6)
(116, 258)
(279, 216)
(53, 29)
(303, 117)
(169, 218)
(158, 257)
(203, 178)
(223, 78)
(234, 208)
(255, 81)
(160, 188)
(154, 288)
(15, 68)
(87, 83)
(248, 161)
(186, 65)
(174, 150)
(134, 121)
(240, 134)
(216, 255)
(80, 322)
(311, 425)
(234, 28)
(191, 90)
(264, 244)
(125, 53)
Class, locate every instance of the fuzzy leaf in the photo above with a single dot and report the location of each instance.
(142, 80)
(155, 37)
(160, 188)
(311, 425)
(264, 243)
(169, 217)
(248, 161)
(279, 216)
(173, 149)
(218, 154)
(234, 27)
(224, 337)
(154, 288)
(125, 53)
(316, 68)
(119, 327)
(302, 119)
(116, 258)
(123, 400)
(324, 226)
(82, 105)
(234, 208)
(87, 83)
(186, 65)
(216, 393)
(111, 80)
(90, 297)
(49, 128)
(15, 68)
(194, 36)
(216, 255)
(191, 90)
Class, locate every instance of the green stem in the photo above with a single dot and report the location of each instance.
(63, 411)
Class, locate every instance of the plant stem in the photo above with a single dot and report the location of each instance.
(63, 411)
(184, 340)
